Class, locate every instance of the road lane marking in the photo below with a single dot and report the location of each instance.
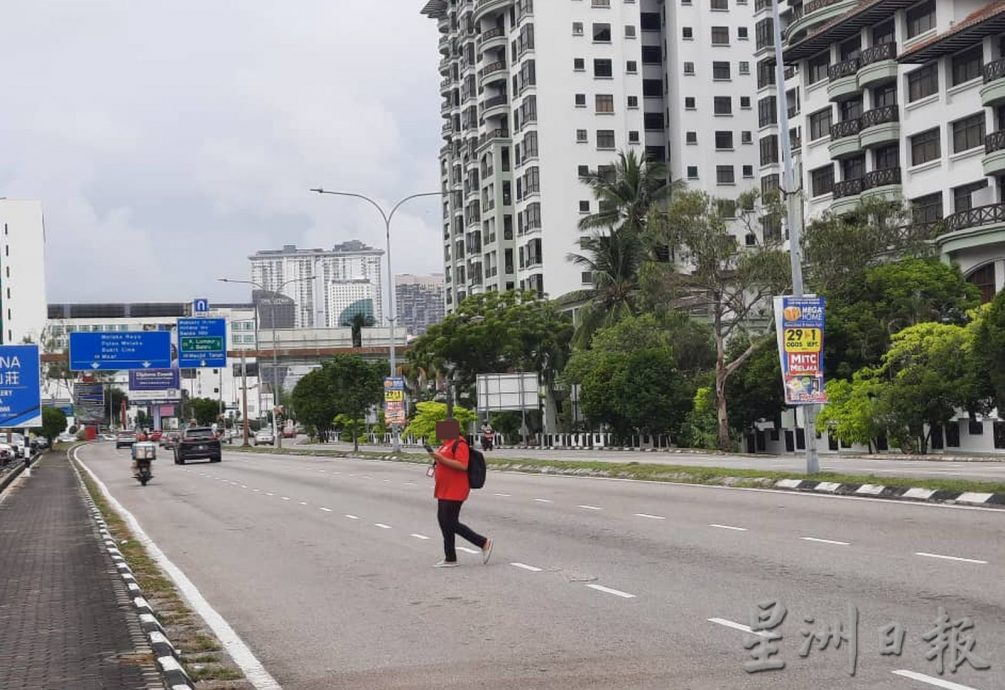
(303, 503)
(467, 550)
(651, 517)
(267, 493)
(256, 490)
(615, 592)
(825, 541)
(503, 495)
(735, 626)
(244, 486)
(381, 525)
(418, 536)
(544, 500)
(735, 529)
(286, 498)
(589, 507)
(937, 682)
(327, 510)
(387, 481)
(524, 566)
(352, 517)
(950, 558)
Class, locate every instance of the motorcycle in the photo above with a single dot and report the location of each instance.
(144, 453)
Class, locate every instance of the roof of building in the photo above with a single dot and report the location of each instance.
(978, 25)
(435, 9)
(851, 23)
(350, 247)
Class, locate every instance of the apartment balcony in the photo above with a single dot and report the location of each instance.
(447, 131)
(445, 66)
(877, 65)
(993, 90)
(485, 8)
(844, 141)
(499, 135)
(882, 184)
(444, 45)
(994, 154)
(843, 80)
(847, 196)
(492, 72)
(880, 126)
(492, 38)
(495, 106)
(445, 86)
(815, 13)
(977, 227)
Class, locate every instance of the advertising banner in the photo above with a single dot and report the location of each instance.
(799, 325)
(395, 413)
(154, 380)
(89, 403)
(20, 390)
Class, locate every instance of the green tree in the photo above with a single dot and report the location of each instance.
(314, 404)
(853, 413)
(755, 391)
(205, 410)
(427, 414)
(53, 423)
(701, 424)
(356, 385)
(989, 350)
(626, 193)
(728, 282)
(357, 322)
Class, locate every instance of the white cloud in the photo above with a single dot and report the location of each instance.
(168, 141)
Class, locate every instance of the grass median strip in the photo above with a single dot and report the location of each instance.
(201, 653)
(683, 474)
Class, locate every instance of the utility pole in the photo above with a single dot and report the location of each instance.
(244, 397)
(794, 220)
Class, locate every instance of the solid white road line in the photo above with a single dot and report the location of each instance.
(615, 592)
(544, 500)
(825, 541)
(734, 626)
(381, 525)
(524, 566)
(239, 651)
(950, 558)
(586, 507)
(327, 510)
(352, 517)
(937, 682)
(651, 517)
(467, 550)
(419, 536)
(735, 529)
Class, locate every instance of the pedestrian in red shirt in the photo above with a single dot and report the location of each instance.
(452, 489)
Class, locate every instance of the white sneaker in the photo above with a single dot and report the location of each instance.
(446, 564)
(487, 551)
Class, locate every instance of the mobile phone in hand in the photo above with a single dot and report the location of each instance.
(429, 448)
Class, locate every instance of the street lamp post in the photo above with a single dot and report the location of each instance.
(392, 317)
(275, 366)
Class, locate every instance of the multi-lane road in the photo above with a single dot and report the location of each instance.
(323, 567)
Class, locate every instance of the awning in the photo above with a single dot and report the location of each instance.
(866, 13)
(987, 21)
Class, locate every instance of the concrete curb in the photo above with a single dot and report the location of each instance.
(917, 494)
(173, 673)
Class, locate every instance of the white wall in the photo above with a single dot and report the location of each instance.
(22, 271)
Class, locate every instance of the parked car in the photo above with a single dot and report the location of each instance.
(197, 442)
(125, 439)
(265, 438)
(66, 438)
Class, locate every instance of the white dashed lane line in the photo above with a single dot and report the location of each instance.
(825, 541)
(931, 680)
(544, 500)
(729, 527)
(615, 592)
(286, 498)
(303, 503)
(586, 507)
(651, 517)
(352, 517)
(735, 626)
(267, 493)
(467, 550)
(327, 510)
(950, 558)
(524, 566)
(381, 525)
(419, 536)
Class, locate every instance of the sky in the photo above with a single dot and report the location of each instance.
(168, 141)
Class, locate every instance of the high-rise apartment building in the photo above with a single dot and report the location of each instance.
(23, 307)
(346, 298)
(418, 301)
(303, 275)
(902, 99)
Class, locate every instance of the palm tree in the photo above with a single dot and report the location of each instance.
(627, 194)
(614, 260)
(357, 322)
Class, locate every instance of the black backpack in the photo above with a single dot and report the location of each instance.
(476, 466)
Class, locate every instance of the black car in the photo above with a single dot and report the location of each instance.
(197, 443)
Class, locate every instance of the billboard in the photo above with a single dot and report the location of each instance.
(89, 403)
(498, 392)
(799, 323)
(154, 380)
(20, 389)
(395, 413)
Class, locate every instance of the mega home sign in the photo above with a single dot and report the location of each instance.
(799, 325)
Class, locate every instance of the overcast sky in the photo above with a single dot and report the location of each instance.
(167, 141)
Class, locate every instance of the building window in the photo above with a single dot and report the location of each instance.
(687, 33)
(927, 209)
(767, 111)
(630, 31)
(723, 105)
(720, 35)
(720, 5)
(603, 68)
(692, 172)
(887, 157)
(580, 100)
(605, 103)
(601, 33)
(745, 102)
(984, 279)
(853, 168)
(922, 82)
(884, 33)
(689, 68)
(633, 101)
(689, 103)
(744, 67)
(633, 136)
(690, 137)
(584, 206)
(742, 33)
(746, 137)
(968, 133)
(884, 95)
(632, 67)
(652, 55)
(605, 138)
(724, 141)
(817, 68)
(820, 123)
(769, 149)
(822, 180)
(720, 70)
(967, 65)
(579, 64)
(748, 171)
(725, 175)
(582, 136)
(653, 122)
(650, 21)
(652, 88)
(577, 28)
(963, 196)
(925, 147)
(921, 18)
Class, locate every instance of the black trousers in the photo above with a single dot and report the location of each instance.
(449, 514)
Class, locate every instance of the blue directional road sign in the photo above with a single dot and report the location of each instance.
(200, 305)
(202, 343)
(120, 350)
(20, 390)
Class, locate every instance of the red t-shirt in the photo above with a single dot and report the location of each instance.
(451, 484)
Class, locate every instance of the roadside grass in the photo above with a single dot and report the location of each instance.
(683, 474)
(200, 652)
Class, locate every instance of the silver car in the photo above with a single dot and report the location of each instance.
(265, 437)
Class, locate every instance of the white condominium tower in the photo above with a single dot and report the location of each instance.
(307, 273)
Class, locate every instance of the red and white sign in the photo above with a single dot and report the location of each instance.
(803, 362)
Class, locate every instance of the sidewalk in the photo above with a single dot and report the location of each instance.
(65, 618)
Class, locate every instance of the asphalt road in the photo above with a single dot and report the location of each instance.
(991, 469)
(323, 566)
